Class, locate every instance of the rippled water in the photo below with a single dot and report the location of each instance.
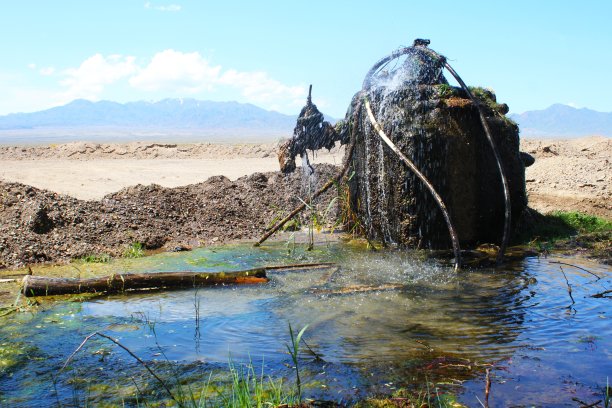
(413, 321)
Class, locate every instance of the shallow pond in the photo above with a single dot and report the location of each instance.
(379, 322)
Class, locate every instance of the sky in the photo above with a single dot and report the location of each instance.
(532, 53)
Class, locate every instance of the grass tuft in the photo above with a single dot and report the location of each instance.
(583, 223)
(135, 250)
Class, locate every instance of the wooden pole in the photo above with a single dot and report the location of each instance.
(45, 286)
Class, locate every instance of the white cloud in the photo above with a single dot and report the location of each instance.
(169, 7)
(168, 73)
(90, 78)
(258, 87)
(190, 73)
(32, 66)
(178, 72)
(46, 71)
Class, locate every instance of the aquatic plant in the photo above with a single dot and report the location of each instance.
(247, 389)
(428, 397)
(135, 250)
(14, 354)
(294, 349)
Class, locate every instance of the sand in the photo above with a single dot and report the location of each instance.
(569, 174)
(86, 172)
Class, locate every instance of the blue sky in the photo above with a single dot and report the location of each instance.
(532, 53)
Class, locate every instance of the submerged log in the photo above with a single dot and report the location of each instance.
(45, 286)
(357, 289)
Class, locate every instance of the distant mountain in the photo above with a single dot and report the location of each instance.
(564, 121)
(165, 114)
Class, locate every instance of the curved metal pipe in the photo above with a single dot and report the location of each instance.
(396, 54)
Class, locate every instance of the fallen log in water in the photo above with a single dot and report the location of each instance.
(46, 286)
(356, 289)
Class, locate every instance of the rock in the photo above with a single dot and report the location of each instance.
(179, 248)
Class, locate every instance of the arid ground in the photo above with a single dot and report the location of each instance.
(59, 202)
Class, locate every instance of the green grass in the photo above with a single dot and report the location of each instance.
(248, 389)
(560, 225)
(567, 230)
(135, 250)
(583, 223)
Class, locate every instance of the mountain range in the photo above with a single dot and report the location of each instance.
(564, 121)
(208, 119)
(168, 113)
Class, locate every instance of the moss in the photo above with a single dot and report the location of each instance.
(487, 98)
(445, 91)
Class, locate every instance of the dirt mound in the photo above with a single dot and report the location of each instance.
(570, 175)
(42, 226)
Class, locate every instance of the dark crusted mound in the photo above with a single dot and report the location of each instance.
(42, 226)
(439, 129)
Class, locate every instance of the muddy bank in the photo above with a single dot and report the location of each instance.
(43, 226)
(569, 174)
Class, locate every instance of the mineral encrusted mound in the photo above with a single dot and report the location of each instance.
(438, 127)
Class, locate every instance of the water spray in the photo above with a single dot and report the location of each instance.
(421, 176)
(420, 46)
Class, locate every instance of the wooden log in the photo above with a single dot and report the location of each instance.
(46, 286)
(356, 289)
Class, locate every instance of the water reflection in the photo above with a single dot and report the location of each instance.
(380, 318)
